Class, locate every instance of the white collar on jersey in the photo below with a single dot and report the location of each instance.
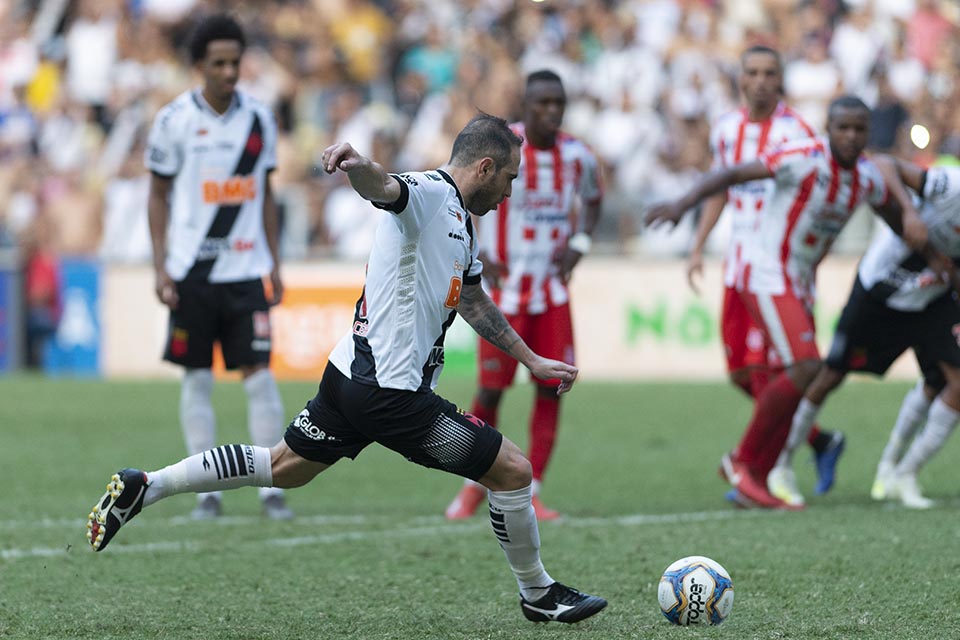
(446, 176)
(203, 105)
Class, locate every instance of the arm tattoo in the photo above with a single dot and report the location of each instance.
(486, 319)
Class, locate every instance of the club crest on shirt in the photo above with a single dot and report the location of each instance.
(456, 214)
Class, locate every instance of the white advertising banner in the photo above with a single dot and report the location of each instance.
(633, 320)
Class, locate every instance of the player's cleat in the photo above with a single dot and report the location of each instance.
(882, 488)
(739, 500)
(543, 512)
(208, 507)
(122, 501)
(466, 502)
(826, 462)
(782, 483)
(562, 604)
(275, 507)
(908, 490)
(741, 478)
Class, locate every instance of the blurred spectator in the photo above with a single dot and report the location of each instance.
(91, 52)
(41, 284)
(79, 79)
(812, 80)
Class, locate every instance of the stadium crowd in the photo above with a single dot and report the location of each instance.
(80, 82)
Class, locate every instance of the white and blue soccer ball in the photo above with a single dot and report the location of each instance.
(695, 590)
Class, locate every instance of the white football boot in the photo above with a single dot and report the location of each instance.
(908, 490)
(782, 483)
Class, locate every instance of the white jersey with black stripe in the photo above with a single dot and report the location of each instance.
(891, 271)
(423, 253)
(219, 164)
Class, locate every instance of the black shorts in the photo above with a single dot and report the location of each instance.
(345, 416)
(236, 314)
(870, 336)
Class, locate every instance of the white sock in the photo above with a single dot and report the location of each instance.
(197, 418)
(940, 424)
(803, 419)
(913, 411)
(265, 417)
(515, 525)
(535, 487)
(220, 468)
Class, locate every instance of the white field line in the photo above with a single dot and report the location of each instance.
(426, 526)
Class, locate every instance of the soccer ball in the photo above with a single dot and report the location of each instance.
(695, 590)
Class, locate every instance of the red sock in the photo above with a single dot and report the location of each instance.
(812, 436)
(771, 450)
(774, 408)
(543, 432)
(487, 414)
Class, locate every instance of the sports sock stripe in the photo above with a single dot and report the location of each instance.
(223, 462)
(241, 462)
(497, 521)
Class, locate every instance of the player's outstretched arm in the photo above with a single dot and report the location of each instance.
(367, 177)
(488, 321)
(709, 216)
(902, 216)
(712, 183)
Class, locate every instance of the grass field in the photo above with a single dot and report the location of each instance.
(370, 555)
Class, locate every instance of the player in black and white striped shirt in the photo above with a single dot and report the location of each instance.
(214, 229)
(378, 385)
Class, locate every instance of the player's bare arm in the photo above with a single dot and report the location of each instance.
(488, 321)
(711, 184)
(709, 215)
(899, 175)
(579, 243)
(271, 229)
(158, 214)
(367, 178)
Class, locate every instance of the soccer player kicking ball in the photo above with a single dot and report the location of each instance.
(901, 300)
(820, 182)
(378, 385)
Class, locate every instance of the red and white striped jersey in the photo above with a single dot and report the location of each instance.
(812, 202)
(529, 229)
(735, 139)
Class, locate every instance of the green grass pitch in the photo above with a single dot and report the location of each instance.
(370, 555)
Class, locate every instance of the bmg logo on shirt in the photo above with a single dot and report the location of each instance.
(233, 190)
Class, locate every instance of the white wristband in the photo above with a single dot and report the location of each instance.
(580, 242)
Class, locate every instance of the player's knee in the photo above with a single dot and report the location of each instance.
(803, 372)
(289, 469)
(511, 470)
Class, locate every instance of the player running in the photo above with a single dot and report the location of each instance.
(900, 302)
(819, 183)
(736, 137)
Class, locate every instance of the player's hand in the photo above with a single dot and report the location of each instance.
(546, 369)
(166, 289)
(664, 213)
(695, 270)
(275, 295)
(566, 260)
(493, 271)
(340, 156)
(915, 232)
